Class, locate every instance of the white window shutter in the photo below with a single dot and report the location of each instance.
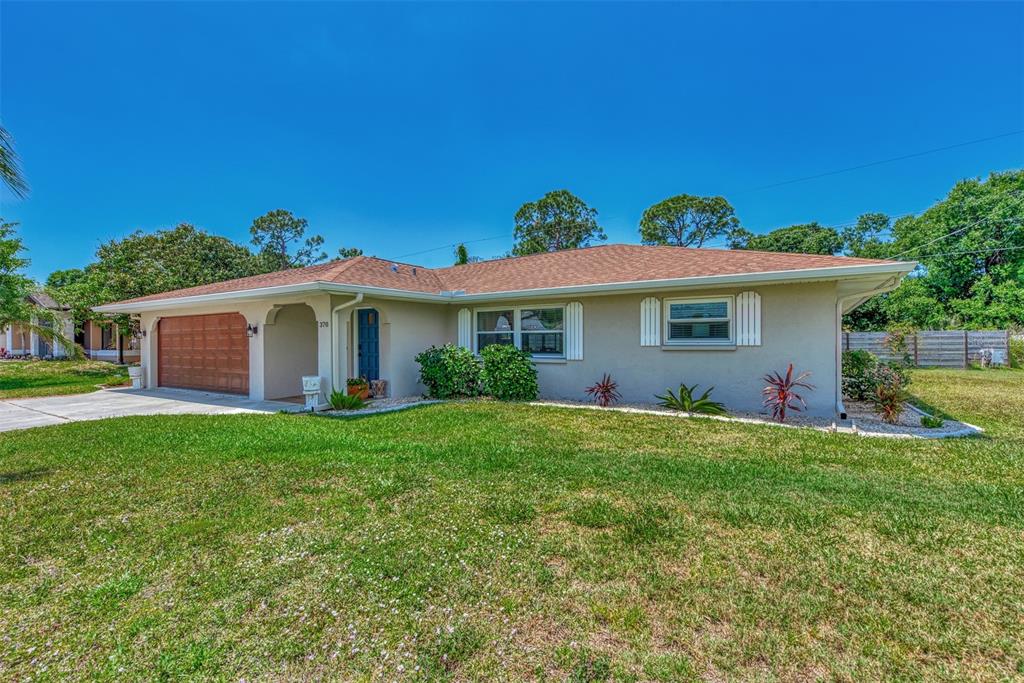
(574, 331)
(465, 328)
(748, 319)
(650, 322)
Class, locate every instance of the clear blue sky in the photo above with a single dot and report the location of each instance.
(402, 127)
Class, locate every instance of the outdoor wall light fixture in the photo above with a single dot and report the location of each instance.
(251, 329)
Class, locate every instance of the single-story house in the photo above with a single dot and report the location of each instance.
(22, 340)
(651, 316)
(105, 342)
(99, 342)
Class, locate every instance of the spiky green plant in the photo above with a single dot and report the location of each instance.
(686, 402)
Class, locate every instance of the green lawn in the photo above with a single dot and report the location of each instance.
(481, 541)
(25, 379)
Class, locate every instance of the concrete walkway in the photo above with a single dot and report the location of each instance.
(22, 413)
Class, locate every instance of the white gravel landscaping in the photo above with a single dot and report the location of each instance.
(862, 420)
(382, 405)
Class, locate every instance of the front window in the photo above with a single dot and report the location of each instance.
(540, 331)
(699, 321)
(494, 327)
(108, 341)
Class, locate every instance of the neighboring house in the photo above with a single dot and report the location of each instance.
(104, 342)
(21, 340)
(651, 316)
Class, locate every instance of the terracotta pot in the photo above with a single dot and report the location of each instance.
(360, 390)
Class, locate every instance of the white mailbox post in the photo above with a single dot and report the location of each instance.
(311, 390)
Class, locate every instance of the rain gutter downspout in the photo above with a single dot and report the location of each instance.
(840, 302)
(335, 382)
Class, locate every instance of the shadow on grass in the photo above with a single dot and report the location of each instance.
(24, 475)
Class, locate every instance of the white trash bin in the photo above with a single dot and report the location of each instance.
(311, 390)
(135, 375)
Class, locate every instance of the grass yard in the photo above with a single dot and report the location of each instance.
(486, 541)
(26, 379)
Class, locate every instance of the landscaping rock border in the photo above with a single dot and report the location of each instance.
(859, 424)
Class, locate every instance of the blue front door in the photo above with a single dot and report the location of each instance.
(369, 344)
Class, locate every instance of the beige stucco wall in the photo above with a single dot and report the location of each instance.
(798, 326)
(290, 350)
(406, 328)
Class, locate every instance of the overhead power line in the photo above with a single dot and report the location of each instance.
(887, 161)
(792, 181)
(951, 233)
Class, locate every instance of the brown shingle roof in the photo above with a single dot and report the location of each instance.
(611, 263)
(624, 263)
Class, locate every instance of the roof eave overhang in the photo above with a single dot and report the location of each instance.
(897, 269)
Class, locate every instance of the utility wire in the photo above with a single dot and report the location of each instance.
(790, 182)
(886, 161)
(973, 251)
(949, 234)
(450, 246)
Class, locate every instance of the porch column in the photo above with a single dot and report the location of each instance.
(10, 339)
(257, 388)
(321, 306)
(147, 349)
(33, 339)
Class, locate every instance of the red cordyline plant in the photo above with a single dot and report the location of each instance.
(605, 392)
(780, 395)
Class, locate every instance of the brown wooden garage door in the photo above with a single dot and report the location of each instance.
(208, 352)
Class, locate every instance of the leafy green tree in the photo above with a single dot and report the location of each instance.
(59, 279)
(10, 168)
(273, 234)
(991, 306)
(865, 239)
(16, 288)
(687, 220)
(977, 231)
(150, 263)
(807, 238)
(558, 220)
(349, 252)
(461, 255)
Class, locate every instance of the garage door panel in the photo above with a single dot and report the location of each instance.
(206, 352)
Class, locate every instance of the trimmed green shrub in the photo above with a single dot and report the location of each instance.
(508, 373)
(863, 373)
(449, 372)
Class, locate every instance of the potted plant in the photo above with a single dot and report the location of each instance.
(358, 386)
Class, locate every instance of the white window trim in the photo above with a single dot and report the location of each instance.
(517, 332)
(730, 316)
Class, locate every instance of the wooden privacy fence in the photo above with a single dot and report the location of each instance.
(946, 348)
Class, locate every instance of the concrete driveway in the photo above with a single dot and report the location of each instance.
(22, 413)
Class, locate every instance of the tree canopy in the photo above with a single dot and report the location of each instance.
(149, 263)
(687, 220)
(806, 238)
(10, 168)
(274, 233)
(558, 220)
(970, 247)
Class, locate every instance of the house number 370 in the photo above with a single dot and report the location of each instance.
(322, 323)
